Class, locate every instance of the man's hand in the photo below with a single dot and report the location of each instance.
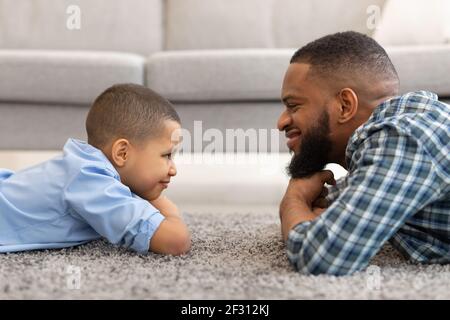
(304, 200)
(311, 190)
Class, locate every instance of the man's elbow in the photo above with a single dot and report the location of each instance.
(307, 269)
(307, 264)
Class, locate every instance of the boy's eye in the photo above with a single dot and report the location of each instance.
(168, 156)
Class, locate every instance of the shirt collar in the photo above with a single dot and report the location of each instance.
(87, 152)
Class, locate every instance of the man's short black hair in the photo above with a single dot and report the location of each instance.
(129, 111)
(347, 55)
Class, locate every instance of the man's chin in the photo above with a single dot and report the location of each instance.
(301, 167)
(293, 151)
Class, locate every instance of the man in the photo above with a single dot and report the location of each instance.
(341, 106)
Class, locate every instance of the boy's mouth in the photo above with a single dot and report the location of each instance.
(165, 183)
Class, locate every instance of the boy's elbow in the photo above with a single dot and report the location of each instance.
(172, 237)
(180, 243)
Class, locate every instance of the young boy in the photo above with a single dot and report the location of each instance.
(108, 187)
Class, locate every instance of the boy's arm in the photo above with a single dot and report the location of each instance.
(166, 207)
(172, 236)
(121, 217)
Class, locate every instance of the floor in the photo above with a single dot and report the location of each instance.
(236, 254)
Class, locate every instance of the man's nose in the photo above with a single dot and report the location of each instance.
(172, 170)
(284, 121)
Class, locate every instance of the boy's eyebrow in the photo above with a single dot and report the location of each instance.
(172, 148)
(168, 150)
(175, 143)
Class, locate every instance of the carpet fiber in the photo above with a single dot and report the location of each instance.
(234, 256)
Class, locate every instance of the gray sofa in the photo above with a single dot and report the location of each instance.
(219, 61)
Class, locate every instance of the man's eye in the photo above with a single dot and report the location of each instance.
(168, 156)
(293, 106)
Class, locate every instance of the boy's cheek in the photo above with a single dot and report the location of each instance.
(151, 194)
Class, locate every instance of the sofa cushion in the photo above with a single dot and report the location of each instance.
(75, 77)
(416, 22)
(295, 23)
(221, 24)
(257, 75)
(31, 126)
(232, 126)
(112, 25)
(422, 67)
(219, 75)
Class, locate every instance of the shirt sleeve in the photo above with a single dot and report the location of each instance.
(391, 181)
(111, 209)
(5, 174)
(335, 190)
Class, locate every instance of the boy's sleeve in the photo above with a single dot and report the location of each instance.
(5, 173)
(110, 208)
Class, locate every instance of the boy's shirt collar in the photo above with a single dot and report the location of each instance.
(88, 153)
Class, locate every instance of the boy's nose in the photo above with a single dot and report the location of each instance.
(172, 170)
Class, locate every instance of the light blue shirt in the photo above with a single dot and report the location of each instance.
(70, 200)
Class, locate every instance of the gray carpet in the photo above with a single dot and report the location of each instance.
(234, 256)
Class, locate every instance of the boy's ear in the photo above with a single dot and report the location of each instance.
(120, 152)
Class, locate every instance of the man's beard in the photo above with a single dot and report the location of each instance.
(314, 151)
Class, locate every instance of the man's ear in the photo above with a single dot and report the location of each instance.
(120, 152)
(349, 105)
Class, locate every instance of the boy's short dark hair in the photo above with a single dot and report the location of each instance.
(129, 111)
(346, 55)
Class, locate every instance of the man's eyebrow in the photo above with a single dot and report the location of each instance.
(291, 97)
(286, 98)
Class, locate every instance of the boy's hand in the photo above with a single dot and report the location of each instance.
(166, 207)
(172, 237)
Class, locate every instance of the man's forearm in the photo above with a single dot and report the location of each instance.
(292, 212)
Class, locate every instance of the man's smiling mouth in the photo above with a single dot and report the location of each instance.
(293, 137)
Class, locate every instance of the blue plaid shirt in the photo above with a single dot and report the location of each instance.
(397, 189)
